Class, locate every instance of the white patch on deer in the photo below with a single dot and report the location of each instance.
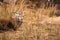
(18, 16)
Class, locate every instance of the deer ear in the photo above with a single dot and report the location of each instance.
(22, 13)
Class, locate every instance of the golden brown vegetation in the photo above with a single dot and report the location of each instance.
(32, 27)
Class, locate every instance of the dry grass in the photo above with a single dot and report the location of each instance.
(32, 28)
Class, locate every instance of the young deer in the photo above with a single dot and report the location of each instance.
(11, 23)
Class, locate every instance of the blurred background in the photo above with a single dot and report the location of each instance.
(41, 20)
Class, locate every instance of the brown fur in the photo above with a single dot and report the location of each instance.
(4, 24)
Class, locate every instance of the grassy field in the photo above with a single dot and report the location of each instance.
(37, 24)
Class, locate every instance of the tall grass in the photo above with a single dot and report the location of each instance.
(31, 29)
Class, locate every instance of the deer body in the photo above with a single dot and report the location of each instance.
(14, 23)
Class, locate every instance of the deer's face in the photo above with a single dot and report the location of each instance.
(18, 17)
